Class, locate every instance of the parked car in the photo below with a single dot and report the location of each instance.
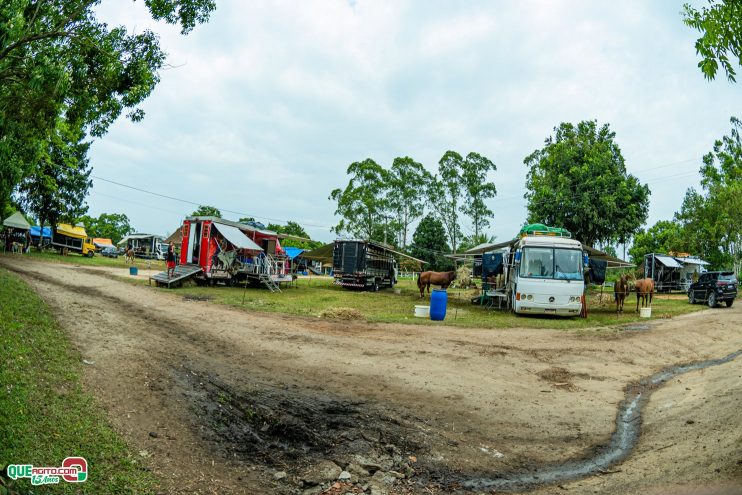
(713, 288)
(110, 252)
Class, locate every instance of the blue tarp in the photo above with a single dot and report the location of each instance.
(293, 252)
(35, 231)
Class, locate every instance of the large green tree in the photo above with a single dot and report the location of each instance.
(477, 189)
(294, 229)
(712, 218)
(363, 205)
(445, 191)
(406, 194)
(578, 181)
(663, 237)
(114, 226)
(55, 190)
(58, 61)
(720, 43)
(429, 244)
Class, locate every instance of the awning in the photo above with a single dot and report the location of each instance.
(322, 253)
(692, 261)
(36, 231)
(17, 221)
(102, 243)
(668, 261)
(236, 237)
(293, 252)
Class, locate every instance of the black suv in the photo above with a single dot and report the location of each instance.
(713, 288)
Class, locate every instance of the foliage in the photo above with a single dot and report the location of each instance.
(663, 237)
(207, 211)
(294, 229)
(429, 244)
(445, 191)
(114, 226)
(721, 26)
(477, 189)
(578, 181)
(57, 60)
(248, 219)
(475, 240)
(406, 194)
(363, 206)
(55, 191)
(712, 219)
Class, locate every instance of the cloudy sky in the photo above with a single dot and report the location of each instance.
(263, 108)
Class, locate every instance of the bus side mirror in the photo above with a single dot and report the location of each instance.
(585, 260)
(517, 256)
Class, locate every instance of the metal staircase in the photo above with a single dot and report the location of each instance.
(268, 282)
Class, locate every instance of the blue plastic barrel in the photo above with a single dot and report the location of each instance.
(438, 302)
(133, 270)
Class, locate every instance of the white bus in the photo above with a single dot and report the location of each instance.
(546, 275)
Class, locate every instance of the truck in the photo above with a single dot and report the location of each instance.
(147, 246)
(73, 238)
(363, 265)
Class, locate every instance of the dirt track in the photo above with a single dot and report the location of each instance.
(236, 396)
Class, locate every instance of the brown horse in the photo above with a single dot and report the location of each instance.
(620, 290)
(645, 291)
(441, 279)
(129, 256)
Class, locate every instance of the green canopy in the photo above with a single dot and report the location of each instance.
(17, 221)
(540, 228)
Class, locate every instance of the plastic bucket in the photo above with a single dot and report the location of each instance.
(422, 311)
(438, 303)
(133, 270)
(645, 312)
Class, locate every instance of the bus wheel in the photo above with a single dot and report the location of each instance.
(90, 254)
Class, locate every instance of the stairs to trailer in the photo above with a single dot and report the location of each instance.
(268, 282)
(181, 273)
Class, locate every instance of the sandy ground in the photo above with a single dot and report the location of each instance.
(449, 402)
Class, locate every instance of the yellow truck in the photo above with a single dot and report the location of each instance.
(73, 238)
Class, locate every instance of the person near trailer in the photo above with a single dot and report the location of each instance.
(170, 259)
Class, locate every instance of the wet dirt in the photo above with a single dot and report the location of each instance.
(254, 393)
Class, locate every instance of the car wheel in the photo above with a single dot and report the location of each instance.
(712, 300)
(729, 302)
(691, 297)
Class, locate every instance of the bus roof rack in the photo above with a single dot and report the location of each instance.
(541, 229)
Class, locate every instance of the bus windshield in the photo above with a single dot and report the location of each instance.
(551, 263)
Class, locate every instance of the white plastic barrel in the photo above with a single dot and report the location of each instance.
(422, 311)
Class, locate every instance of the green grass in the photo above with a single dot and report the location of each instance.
(97, 260)
(45, 415)
(312, 296)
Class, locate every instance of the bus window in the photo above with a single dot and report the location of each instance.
(568, 264)
(537, 263)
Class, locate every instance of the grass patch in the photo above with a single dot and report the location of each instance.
(45, 415)
(317, 297)
(97, 260)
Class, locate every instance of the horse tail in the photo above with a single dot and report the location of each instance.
(418, 280)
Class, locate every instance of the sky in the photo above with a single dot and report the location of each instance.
(261, 110)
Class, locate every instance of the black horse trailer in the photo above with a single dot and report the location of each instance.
(363, 265)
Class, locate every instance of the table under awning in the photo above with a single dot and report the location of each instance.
(236, 237)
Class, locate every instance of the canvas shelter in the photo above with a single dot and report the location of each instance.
(102, 243)
(17, 221)
(16, 232)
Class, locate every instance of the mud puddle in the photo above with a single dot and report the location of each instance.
(622, 441)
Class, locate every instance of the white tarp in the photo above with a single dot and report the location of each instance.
(17, 221)
(236, 237)
(668, 261)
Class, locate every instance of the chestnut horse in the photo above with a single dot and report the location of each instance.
(620, 290)
(645, 291)
(442, 279)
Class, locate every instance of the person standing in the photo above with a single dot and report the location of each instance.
(170, 259)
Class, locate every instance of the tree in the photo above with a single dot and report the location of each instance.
(294, 229)
(114, 226)
(429, 244)
(56, 189)
(477, 189)
(406, 194)
(445, 189)
(207, 211)
(57, 60)
(579, 181)
(663, 237)
(721, 26)
(363, 205)
(249, 219)
(712, 219)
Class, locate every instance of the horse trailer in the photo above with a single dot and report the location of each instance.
(363, 265)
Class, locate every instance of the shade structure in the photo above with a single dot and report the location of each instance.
(236, 237)
(17, 221)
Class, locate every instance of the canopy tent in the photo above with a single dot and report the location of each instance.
(101, 242)
(36, 231)
(293, 252)
(236, 237)
(17, 221)
(72, 231)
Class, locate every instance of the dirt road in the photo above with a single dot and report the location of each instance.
(236, 397)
